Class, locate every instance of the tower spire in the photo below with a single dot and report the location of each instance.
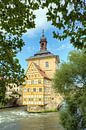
(43, 33)
(43, 42)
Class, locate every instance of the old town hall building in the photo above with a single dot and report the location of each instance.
(38, 93)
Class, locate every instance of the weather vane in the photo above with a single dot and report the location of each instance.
(43, 32)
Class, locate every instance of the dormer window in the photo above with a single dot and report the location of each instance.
(47, 64)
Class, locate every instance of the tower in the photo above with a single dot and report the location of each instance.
(43, 42)
(38, 92)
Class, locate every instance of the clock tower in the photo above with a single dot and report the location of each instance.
(43, 42)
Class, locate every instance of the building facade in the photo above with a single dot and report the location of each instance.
(13, 90)
(38, 93)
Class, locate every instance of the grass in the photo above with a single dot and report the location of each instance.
(44, 111)
(51, 110)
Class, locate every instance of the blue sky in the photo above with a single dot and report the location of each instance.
(32, 39)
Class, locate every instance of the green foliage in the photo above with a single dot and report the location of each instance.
(69, 19)
(68, 121)
(15, 18)
(51, 110)
(70, 81)
(2, 91)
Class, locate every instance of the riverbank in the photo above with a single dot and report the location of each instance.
(25, 108)
(13, 107)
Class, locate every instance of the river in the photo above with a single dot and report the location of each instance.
(18, 119)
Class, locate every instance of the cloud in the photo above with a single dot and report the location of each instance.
(64, 46)
(41, 23)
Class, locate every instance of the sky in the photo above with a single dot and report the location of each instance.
(32, 40)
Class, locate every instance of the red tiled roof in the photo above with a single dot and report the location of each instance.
(41, 71)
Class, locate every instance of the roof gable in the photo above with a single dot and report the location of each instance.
(36, 68)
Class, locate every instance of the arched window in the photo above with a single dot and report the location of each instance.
(42, 45)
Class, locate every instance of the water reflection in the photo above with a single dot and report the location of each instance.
(21, 120)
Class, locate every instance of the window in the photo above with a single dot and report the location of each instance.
(28, 89)
(34, 89)
(29, 75)
(10, 87)
(40, 89)
(35, 81)
(39, 99)
(30, 99)
(14, 86)
(25, 99)
(32, 82)
(39, 81)
(46, 64)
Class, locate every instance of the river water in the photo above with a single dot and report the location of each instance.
(18, 119)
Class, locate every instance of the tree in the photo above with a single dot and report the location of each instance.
(15, 18)
(68, 16)
(70, 81)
